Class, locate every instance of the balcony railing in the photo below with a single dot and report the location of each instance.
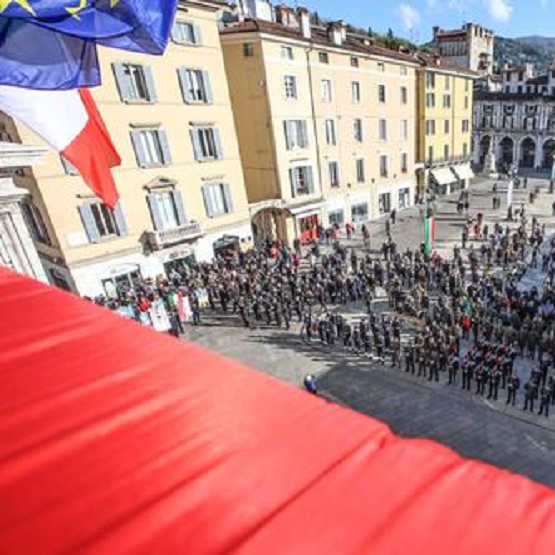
(167, 237)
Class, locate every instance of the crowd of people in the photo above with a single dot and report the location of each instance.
(466, 318)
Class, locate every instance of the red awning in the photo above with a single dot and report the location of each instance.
(114, 439)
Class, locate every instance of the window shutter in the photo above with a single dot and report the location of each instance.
(178, 200)
(69, 168)
(218, 142)
(154, 212)
(195, 140)
(122, 82)
(198, 34)
(292, 181)
(287, 131)
(207, 201)
(207, 87)
(120, 220)
(138, 146)
(304, 135)
(310, 179)
(150, 84)
(185, 91)
(165, 147)
(228, 198)
(89, 223)
(175, 33)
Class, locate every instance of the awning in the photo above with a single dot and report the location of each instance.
(307, 208)
(443, 176)
(464, 171)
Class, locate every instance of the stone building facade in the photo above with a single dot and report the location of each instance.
(518, 124)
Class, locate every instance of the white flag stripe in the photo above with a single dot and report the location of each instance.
(57, 116)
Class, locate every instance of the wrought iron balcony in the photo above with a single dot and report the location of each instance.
(166, 237)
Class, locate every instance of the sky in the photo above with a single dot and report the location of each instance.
(414, 19)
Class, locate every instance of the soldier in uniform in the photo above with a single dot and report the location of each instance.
(545, 394)
(512, 387)
(529, 395)
(453, 369)
(410, 358)
(495, 378)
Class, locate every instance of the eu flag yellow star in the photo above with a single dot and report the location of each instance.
(5, 4)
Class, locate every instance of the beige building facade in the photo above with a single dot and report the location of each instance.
(325, 120)
(182, 192)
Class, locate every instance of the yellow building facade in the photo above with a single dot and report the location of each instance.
(182, 192)
(326, 123)
(444, 129)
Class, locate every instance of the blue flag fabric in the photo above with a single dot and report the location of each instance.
(51, 44)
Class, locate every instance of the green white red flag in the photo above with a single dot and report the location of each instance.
(429, 235)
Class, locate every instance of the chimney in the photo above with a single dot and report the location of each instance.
(343, 29)
(304, 20)
(334, 33)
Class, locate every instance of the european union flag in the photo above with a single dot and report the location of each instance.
(51, 44)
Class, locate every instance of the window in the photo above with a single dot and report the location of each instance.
(290, 84)
(430, 154)
(430, 100)
(151, 147)
(355, 92)
(323, 58)
(195, 85)
(184, 32)
(206, 143)
(465, 126)
(166, 209)
(135, 82)
(357, 130)
(404, 198)
(360, 170)
(430, 127)
(333, 168)
(100, 221)
(404, 129)
(404, 70)
(404, 162)
(354, 61)
(430, 80)
(520, 75)
(447, 82)
(446, 125)
(384, 203)
(301, 181)
(466, 102)
(336, 217)
(287, 52)
(69, 168)
(330, 132)
(519, 89)
(217, 199)
(295, 134)
(383, 166)
(381, 93)
(35, 223)
(465, 149)
(383, 130)
(359, 212)
(381, 66)
(447, 101)
(248, 49)
(404, 95)
(325, 89)
(446, 152)
(466, 85)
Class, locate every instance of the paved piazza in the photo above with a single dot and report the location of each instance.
(413, 407)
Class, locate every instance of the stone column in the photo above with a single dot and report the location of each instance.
(538, 159)
(17, 250)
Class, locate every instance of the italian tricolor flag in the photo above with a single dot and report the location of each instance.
(429, 235)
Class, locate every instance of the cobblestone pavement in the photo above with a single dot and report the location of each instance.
(473, 426)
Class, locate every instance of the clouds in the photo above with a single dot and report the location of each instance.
(409, 16)
(544, 3)
(500, 11)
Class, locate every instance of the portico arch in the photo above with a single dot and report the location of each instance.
(506, 150)
(548, 153)
(527, 153)
(485, 145)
